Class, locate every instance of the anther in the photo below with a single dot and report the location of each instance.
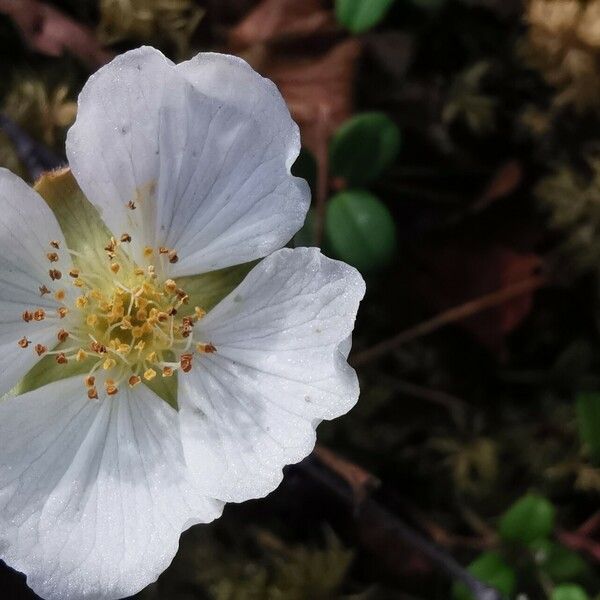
(98, 348)
(27, 316)
(134, 380)
(81, 355)
(167, 372)
(131, 205)
(199, 313)
(62, 312)
(40, 349)
(109, 363)
(163, 250)
(149, 374)
(52, 256)
(55, 244)
(62, 335)
(43, 290)
(90, 381)
(74, 273)
(148, 251)
(125, 238)
(110, 387)
(115, 267)
(173, 258)
(60, 295)
(206, 348)
(186, 362)
(39, 314)
(92, 393)
(54, 274)
(61, 359)
(170, 286)
(24, 342)
(81, 302)
(92, 319)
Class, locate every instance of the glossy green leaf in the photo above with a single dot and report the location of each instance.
(361, 15)
(569, 591)
(588, 418)
(364, 147)
(360, 230)
(529, 519)
(490, 568)
(557, 562)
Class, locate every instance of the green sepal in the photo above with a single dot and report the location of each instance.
(79, 220)
(47, 370)
(208, 289)
(166, 387)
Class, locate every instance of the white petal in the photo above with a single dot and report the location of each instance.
(93, 494)
(209, 175)
(279, 369)
(27, 226)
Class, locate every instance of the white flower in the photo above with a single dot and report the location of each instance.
(141, 390)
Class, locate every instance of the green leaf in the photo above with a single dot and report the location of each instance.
(360, 230)
(557, 562)
(364, 147)
(588, 418)
(569, 591)
(360, 15)
(529, 519)
(490, 568)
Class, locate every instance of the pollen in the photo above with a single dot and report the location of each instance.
(81, 302)
(148, 251)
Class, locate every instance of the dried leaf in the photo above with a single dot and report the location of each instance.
(50, 31)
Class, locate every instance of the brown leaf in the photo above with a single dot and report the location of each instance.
(296, 44)
(51, 32)
(273, 20)
(461, 271)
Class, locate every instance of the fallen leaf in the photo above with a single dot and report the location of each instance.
(51, 32)
(296, 43)
(272, 20)
(461, 271)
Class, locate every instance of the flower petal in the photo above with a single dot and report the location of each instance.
(280, 368)
(27, 226)
(93, 495)
(208, 175)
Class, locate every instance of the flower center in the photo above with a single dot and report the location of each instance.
(132, 323)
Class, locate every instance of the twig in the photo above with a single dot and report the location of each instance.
(386, 523)
(35, 156)
(452, 315)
